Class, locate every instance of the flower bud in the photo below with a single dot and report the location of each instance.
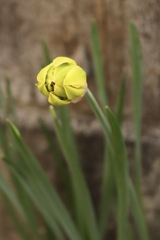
(62, 81)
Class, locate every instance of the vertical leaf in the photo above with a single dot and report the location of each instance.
(121, 176)
(84, 208)
(6, 189)
(9, 155)
(120, 103)
(3, 103)
(98, 63)
(17, 221)
(137, 72)
(33, 179)
(11, 99)
(68, 134)
(60, 164)
(46, 53)
(138, 214)
(107, 181)
(107, 193)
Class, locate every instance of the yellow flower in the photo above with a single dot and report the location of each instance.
(62, 81)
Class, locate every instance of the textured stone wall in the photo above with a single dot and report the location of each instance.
(65, 26)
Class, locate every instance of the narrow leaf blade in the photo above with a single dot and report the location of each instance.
(98, 63)
(137, 71)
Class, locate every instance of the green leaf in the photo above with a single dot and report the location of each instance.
(116, 146)
(4, 142)
(37, 194)
(70, 139)
(138, 214)
(46, 53)
(98, 63)
(120, 103)
(108, 192)
(17, 221)
(84, 208)
(6, 189)
(28, 207)
(9, 156)
(121, 175)
(11, 101)
(137, 71)
(60, 164)
(108, 183)
(117, 150)
(3, 103)
(33, 179)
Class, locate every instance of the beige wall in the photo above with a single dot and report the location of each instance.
(65, 27)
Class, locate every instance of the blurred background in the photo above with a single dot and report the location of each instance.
(65, 27)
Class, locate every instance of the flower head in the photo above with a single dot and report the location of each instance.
(62, 81)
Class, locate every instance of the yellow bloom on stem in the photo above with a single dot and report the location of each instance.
(62, 81)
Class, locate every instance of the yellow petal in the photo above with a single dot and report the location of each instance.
(59, 91)
(49, 78)
(76, 77)
(60, 60)
(75, 83)
(56, 101)
(42, 89)
(73, 93)
(41, 77)
(60, 74)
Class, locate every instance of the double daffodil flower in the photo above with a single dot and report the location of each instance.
(62, 81)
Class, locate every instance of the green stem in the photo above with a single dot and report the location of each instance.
(136, 205)
(85, 213)
(138, 213)
(100, 116)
